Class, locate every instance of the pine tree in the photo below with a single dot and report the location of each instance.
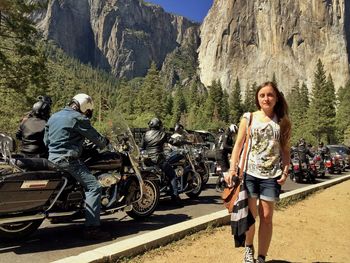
(235, 103)
(225, 108)
(169, 105)
(179, 106)
(152, 95)
(22, 62)
(216, 94)
(322, 107)
(342, 121)
(249, 102)
(124, 98)
(296, 112)
(304, 97)
(329, 109)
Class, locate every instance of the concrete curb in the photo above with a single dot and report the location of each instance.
(161, 237)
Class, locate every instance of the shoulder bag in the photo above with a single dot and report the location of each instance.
(230, 194)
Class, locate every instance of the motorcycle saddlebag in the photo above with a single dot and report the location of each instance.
(28, 191)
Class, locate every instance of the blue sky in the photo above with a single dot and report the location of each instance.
(195, 10)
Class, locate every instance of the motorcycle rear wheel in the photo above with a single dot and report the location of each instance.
(196, 182)
(13, 231)
(146, 206)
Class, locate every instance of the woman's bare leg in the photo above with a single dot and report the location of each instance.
(249, 238)
(266, 209)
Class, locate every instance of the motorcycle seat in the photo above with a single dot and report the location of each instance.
(34, 164)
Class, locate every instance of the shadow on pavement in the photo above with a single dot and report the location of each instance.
(68, 236)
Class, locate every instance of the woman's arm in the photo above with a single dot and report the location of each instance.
(237, 151)
(285, 163)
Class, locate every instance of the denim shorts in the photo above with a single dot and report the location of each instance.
(264, 189)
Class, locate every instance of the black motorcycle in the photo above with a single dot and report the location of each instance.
(188, 180)
(32, 189)
(300, 169)
(200, 161)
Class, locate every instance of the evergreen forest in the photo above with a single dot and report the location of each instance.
(30, 66)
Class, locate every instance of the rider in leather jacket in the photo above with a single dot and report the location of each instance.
(153, 142)
(323, 150)
(304, 151)
(32, 128)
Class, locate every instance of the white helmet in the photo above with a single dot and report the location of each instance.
(233, 128)
(85, 103)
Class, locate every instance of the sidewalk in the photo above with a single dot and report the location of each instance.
(316, 229)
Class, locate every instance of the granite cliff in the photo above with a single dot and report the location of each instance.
(252, 40)
(121, 36)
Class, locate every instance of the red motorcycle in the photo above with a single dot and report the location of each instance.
(301, 170)
(334, 163)
(318, 165)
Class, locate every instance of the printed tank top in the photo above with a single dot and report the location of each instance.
(263, 159)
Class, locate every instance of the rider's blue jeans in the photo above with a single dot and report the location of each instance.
(91, 186)
(170, 173)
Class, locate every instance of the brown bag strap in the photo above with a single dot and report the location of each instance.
(246, 142)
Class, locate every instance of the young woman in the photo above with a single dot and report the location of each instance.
(264, 175)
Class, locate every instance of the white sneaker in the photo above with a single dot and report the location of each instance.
(249, 255)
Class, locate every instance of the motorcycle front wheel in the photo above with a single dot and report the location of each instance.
(19, 230)
(146, 206)
(196, 184)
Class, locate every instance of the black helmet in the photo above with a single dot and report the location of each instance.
(155, 123)
(45, 98)
(221, 130)
(320, 144)
(178, 127)
(41, 109)
(302, 141)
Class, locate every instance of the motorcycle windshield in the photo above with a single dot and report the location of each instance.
(122, 139)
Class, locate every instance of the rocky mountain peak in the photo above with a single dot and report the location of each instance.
(121, 36)
(253, 40)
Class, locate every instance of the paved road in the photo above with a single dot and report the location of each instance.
(52, 242)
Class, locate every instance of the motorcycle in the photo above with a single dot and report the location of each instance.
(201, 163)
(319, 165)
(334, 163)
(300, 170)
(189, 181)
(34, 189)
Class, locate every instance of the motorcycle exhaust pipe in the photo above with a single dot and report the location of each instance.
(21, 219)
(33, 217)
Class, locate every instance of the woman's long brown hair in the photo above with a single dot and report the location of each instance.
(281, 110)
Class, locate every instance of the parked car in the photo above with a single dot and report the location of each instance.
(343, 150)
(206, 136)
